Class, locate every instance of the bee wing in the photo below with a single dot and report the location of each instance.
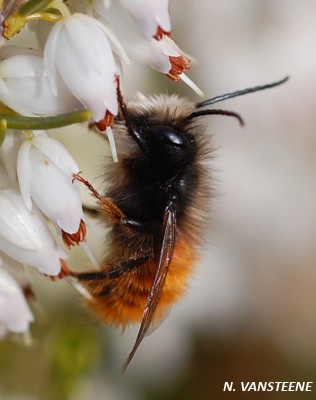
(158, 321)
(167, 246)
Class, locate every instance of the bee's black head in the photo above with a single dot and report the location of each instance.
(166, 150)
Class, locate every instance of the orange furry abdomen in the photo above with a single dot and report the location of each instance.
(125, 299)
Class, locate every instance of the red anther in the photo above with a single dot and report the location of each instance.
(161, 33)
(108, 120)
(72, 239)
(178, 65)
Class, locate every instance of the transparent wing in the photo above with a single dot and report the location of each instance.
(157, 322)
(167, 246)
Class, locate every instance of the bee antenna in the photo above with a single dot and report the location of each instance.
(121, 103)
(226, 96)
(128, 120)
(217, 112)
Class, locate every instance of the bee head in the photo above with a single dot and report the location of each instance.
(161, 127)
(167, 150)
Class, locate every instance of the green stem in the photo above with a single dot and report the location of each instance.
(43, 16)
(40, 123)
(3, 130)
(33, 6)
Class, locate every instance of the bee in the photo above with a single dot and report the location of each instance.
(156, 205)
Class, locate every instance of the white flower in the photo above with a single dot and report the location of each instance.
(152, 16)
(9, 152)
(77, 48)
(25, 237)
(154, 53)
(18, 272)
(45, 172)
(162, 55)
(25, 88)
(15, 314)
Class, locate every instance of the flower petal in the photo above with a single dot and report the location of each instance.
(54, 193)
(25, 237)
(142, 49)
(24, 172)
(15, 314)
(25, 88)
(149, 15)
(57, 153)
(82, 54)
(9, 151)
(16, 223)
(50, 50)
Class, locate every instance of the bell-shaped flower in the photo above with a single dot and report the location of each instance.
(163, 55)
(152, 17)
(15, 314)
(25, 236)
(9, 151)
(25, 88)
(45, 172)
(19, 272)
(78, 50)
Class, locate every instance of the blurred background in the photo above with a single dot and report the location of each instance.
(250, 311)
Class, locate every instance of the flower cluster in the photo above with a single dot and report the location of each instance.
(83, 46)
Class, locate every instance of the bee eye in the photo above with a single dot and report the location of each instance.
(166, 135)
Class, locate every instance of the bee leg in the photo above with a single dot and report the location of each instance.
(127, 266)
(106, 205)
(112, 211)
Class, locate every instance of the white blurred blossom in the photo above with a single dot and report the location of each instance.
(15, 314)
(9, 152)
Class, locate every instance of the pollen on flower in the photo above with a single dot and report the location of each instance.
(178, 66)
(46, 162)
(106, 124)
(160, 33)
(107, 121)
(72, 239)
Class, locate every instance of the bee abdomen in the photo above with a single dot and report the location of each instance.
(122, 301)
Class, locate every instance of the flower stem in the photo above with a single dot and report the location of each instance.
(33, 6)
(3, 130)
(47, 10)
(41, 123)
(43, 16)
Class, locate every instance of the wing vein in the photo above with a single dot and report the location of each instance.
(167, 246)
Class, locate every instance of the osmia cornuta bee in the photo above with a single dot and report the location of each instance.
(156, 207)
